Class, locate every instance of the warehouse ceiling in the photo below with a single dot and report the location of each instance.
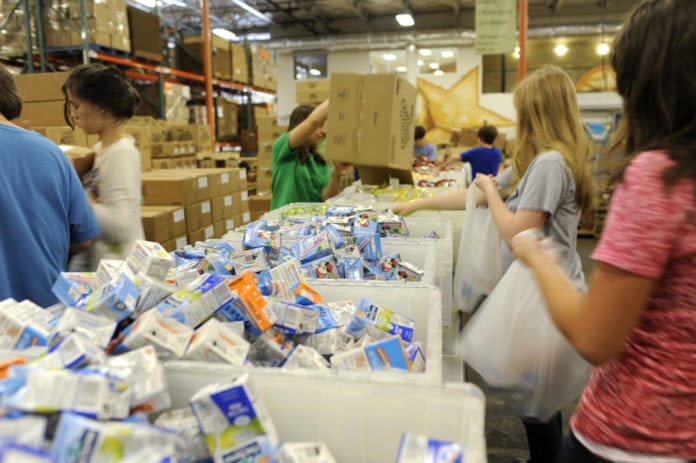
(295, 21)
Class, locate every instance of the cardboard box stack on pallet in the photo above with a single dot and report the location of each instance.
(146, 42)
(226, 119)
(263, 68)
(107, 24)
(240, 67)
(213, 201)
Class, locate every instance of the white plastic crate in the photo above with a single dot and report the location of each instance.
(360, 422)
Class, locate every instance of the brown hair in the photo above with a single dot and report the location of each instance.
(299, 114)
(487, 134)
(654, 60)
(10, 101)
(102, 86)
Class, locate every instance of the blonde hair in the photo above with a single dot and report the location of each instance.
(548, 118)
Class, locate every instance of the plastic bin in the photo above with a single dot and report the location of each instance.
(360, 422)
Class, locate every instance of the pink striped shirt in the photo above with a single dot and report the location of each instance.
(645, 400)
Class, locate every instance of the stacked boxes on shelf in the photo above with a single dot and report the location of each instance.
(263, 68)
(268, 131)
(14, 34)
(312, 91)
(240, 68)
(145, 38)
(107, 24)
(213, 201)
(191, 56)
(226, 119)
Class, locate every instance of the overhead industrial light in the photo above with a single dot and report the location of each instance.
(250, 9)
(447, 54)
(434, 66)
(224, 33)
(315, 72)
(420, 62)
(389, 57)
(438, 73)
(561, 49)
(603, 49)
(516, 53)
(405, 20)
(401, 69)
(425, 52)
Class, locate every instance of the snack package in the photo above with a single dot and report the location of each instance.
(349, 262)
(369, 245)
(198, 301)
(215, 342)
(235, 422)
(71, 288)
(387, 266)
(391, 225)
(422, 449)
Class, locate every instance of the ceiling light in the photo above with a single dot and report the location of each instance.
(298, 76)
(438, 73)
(560, 49)
(389, 57)
(603, 49)
(447, 54)
(420, 62)
(224, 33)
(434, 66)
(411, 47)
(315, 72)
(401, 69)
(516, 53)
(405, 20)
(251, 10)
(425, 52)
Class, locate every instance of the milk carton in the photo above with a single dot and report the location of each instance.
(216, 342)
(150, 258)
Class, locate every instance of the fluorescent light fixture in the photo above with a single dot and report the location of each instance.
(560, 49)
(516, 53)
(315, 72)
(224, 33)
(250, 9)
(603, 49)
(298, 76)
(447, 54)
(438, 73)
(420, 62)
(147, 3)
(401, 69)
(425, 52)
(434, 66)
(405, 20)
(389, 57)
(255, 37)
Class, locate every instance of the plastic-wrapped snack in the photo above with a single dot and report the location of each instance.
(306, 357)
(96, 327)
(152, 292)
(214, 342)
(270, 349)
(418, 449)
(257, 235)
(416, 357)
(71, 288)
(408, 272)
(294, 318)
(386, 319)
(254, 260)
(304, 452)
(372, 334)
(218, 246)
(324, 268)
(329, 342)
(312, 248)
(191, 446)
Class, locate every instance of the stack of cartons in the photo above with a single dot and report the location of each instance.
(165, 225)
(264, 72)
(107, 24)
(213, 200)
(13, 41)
(42, 98)
(371, 125)
(312, 91)
(240, 68)
(145, 38)
(191, 58)
(268, 131)
(226, 119)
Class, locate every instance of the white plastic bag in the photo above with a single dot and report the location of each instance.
(479, 265)
(514, 345)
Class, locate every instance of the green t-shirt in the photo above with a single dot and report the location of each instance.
(294, 182)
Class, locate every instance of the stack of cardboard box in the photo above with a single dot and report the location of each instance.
(240, 68)
(312, 91)
(191, 56)
(213, 201)
(226, 119)
(42, 98)
(145, 38)
(263, 68)
(13, 42)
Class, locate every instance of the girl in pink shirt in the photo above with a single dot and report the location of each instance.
(637, 323)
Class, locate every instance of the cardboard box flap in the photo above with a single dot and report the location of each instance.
(372, 175)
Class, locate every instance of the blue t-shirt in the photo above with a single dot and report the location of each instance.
(43, 209)
(483, 160)
(427, 150)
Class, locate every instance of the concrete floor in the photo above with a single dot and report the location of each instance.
(505, 436)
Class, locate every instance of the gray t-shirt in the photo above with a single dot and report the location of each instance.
(549, 186)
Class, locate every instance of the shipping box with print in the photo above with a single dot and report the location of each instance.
(371, 123)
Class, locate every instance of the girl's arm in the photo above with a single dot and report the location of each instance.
(306, 128)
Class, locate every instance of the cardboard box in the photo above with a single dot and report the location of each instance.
(221, 181)
(264, 178)
(371, 121)
(198, 215)
(200, 179)
(162, 190)
(223, 226)
(267, 121)
(163, 223)
(223, 207)
(259, 203)
(311, 97)
(81, 158)
(313, 84)
(201, 234)
(270, 134)
(65, 135)
(42, 113)
(192, 59)
(41, 87)
(240, 68)
(177, 243)
(145, 38)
